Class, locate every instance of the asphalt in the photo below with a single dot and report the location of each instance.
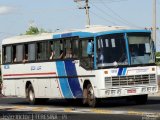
(61, 109)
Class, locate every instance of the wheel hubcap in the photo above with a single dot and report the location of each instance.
(90, 94)
(31, 95)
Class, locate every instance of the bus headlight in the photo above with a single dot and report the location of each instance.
(149, 89)
(119, 92)
(154, 89)
(113, 92)
(107, 92)
(143, 89)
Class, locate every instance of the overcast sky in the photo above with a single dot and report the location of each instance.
(17, 15)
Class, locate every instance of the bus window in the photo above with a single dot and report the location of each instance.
(25, 57)
(75, 48)
(42, 51)
(7, 54)
(52, 50)
(86, 60)
(19, 53)
(14, 59)
(59, 53)
(31, 52)
(68, 52)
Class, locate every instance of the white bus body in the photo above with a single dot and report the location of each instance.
(62, 79)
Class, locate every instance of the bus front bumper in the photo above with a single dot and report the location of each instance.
(127, 91)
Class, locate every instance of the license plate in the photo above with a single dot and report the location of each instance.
(131, 91)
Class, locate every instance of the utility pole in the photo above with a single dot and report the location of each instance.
(87, 13)
(87, 10)
(154, 22)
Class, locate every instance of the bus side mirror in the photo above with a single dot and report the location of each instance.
(89, 48)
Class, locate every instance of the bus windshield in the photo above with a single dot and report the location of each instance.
(111, 50)
(141, 49)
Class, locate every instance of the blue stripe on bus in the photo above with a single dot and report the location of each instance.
(73, 82)
(120, 71)
(63, 81)
(124, 71)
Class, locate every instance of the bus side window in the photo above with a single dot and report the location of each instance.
(42, 51)
(75, 47)
(19, 53)
(31, 52)
(25, 56)
(86, 60)
(52, 50)
(68, 49)
(14, 59)
(7, 50)
(59, 52)
(4, 55)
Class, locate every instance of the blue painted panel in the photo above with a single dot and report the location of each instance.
(73, 82)
(120, 71)
(73, 34)
(66, 35)
(120, 31)
(63, 81)
(95, 53)
(127, 48)
(124, 71)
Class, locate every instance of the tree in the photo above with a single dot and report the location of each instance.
(32, 31)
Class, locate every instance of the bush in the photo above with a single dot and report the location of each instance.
(158, 58)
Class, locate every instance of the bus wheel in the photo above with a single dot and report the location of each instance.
(140, 99)
(31, 95)
(85, 100)
(90, 96)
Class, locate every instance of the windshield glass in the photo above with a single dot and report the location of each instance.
(111, 50)
(140, 48)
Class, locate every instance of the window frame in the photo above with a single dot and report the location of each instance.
(35, 42)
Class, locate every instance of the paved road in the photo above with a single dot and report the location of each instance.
(61, 110)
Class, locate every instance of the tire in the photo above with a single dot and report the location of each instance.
(91, 100)
(140, 99)
(85, 100)
(31, 95)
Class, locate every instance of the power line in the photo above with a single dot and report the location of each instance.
(108, 1)
(121, 18)
(103, 11)
(103, 18)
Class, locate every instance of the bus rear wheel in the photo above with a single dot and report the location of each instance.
(31, 95)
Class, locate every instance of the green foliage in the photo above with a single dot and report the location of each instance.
(157, 54)
(32, 31)
(158, 58)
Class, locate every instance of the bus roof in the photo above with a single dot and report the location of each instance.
(89, 31)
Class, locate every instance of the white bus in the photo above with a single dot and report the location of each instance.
(92, 63)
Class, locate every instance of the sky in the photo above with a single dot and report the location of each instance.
(17, 15)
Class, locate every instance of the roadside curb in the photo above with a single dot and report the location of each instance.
(154, 114)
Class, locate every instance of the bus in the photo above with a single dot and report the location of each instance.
(93, 63)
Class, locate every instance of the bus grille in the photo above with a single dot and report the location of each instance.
(131, 80)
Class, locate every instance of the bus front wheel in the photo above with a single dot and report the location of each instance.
(90, 96)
